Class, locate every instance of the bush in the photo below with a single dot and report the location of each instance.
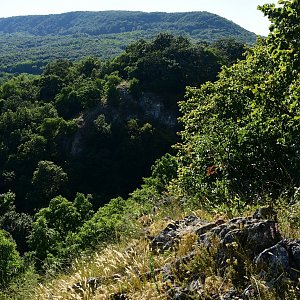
(10, 260)
(52, 236)
(241, 133)
(107, 225)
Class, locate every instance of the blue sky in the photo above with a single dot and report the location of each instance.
(242, 12)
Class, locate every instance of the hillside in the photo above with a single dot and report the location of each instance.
(102, 124)
(195, 24)
(215, 216)
(29, 42)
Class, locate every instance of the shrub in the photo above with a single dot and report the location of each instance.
(10, 260)
(241, 133)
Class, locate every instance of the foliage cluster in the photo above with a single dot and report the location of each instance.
(10, 260)
(168, 64)
(92, 127)
(241, 133)
(90, 122)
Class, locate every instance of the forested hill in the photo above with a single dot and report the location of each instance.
(199, 25)
(28, 43)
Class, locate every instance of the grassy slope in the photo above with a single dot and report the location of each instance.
(129, 266)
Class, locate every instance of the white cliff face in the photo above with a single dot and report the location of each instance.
(155, 109)
(147, 106)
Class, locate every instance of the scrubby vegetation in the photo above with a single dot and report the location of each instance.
(180, 233)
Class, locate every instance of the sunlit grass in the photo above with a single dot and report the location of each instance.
(130, 267)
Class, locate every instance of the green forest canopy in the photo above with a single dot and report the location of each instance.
(28, 43)
(96, 127)
(241, 133)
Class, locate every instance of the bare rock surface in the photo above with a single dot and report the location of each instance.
(257, 238)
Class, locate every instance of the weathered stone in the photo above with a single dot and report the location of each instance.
(119, 296)
(232, 294)
(293, 248)
(265, 213)
(282, 259)
(170, 236)
(89, 285)
(273, 261)
(254, 239)
(252, 235)
(246, 235)
(249, 292)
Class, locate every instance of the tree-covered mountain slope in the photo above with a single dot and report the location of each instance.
(97, 126)
(29, 42)
(196, 24)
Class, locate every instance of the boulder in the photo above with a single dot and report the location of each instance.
(171, 235)
(253, 235)
(281, 260)
(245, 238)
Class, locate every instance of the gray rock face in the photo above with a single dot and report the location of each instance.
(251, 234)
(169, 237)
(90, 284)
(283, 259)
(275, 260)
(232, 294)
(266, 213)
(119, 297)
(257, 238)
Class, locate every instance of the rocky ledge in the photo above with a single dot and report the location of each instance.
(252, 240)
(237, 244)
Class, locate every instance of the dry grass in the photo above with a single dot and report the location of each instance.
(127, 268)
(131, 268)
(117, 269)
(289, 220)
